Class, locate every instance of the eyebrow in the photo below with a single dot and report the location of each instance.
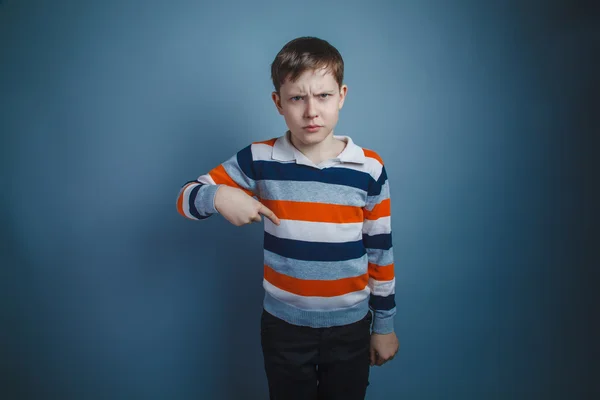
(294, 94)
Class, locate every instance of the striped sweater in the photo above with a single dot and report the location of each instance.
(331, 258)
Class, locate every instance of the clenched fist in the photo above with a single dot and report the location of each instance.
(239, 208)
(383, 348)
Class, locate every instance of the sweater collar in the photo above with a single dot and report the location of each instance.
(284, 150)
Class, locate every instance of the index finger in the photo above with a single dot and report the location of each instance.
(269, 214)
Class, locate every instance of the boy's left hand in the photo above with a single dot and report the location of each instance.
(383, 348)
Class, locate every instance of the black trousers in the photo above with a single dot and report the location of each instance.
(304, 363)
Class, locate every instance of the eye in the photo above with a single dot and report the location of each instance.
(296, 98)
(324, 95)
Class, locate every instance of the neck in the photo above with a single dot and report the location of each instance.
(330, 147)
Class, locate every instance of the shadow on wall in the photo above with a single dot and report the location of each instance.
(220, 268)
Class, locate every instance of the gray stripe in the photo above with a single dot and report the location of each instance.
(205, 200)
(315, 318)
(381, 257)
(323, 270)
(384, 314)
(235, 172)
(374, 200)
(311, 191)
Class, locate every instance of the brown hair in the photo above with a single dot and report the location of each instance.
(302, 54)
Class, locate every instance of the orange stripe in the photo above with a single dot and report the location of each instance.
(381, 272)
(180, 199)
(382, 209)
(315, 212)
(221, 177)
(308, 287)
(372, 154)
(270, 142)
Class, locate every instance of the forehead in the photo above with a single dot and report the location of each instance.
(311, 79)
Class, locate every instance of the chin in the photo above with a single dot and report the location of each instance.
(311, 138)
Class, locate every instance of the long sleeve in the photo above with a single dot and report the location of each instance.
(196, 199)
(377, 238)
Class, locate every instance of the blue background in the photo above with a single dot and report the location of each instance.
(480, 111)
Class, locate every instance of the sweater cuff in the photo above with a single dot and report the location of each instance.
(205, 200)
(384, 325)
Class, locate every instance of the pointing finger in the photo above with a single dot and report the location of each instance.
(269, 214)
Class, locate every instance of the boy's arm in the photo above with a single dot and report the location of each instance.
(377, 238)
(196, 199)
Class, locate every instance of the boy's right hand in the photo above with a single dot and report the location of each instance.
(239, 208)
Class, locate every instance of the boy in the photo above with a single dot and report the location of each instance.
(327, 242)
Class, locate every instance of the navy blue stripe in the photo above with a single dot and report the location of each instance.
(375, 188)
(382, 241)
(244, 159)
(314, 251)
(192, 204)
(267, 170)
(382, 303)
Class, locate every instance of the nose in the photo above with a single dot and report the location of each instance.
(310, 111)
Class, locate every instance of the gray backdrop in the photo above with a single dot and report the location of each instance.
(480, 111)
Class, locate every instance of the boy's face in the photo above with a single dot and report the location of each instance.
(311, 105)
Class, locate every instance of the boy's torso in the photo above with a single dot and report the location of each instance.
(315, 262)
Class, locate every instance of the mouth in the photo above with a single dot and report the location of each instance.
(312, 128)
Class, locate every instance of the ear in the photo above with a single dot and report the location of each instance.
(277, 100)
(343, 92)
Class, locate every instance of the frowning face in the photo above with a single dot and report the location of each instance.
(311, 105)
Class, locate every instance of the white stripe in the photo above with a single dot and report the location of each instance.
(206, 179)
(375, 167)
(324, 232)
(382, 288)
(261, 152)
(315, 303)
(186, 200)
(371, 166)
(377, 226)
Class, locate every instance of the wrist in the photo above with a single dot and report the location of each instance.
(216, 199)
(209, 197)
